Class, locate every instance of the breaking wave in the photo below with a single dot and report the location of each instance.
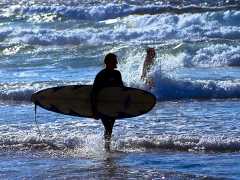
(129, 30)
(148, 143)
(107, 11)
(173, 89)
(165, 89)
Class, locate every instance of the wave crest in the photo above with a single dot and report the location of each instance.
(109, 10)
(172, 89)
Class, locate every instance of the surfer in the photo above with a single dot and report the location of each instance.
(107, 77)
(147, 65)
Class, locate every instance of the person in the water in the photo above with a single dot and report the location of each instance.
(108, 77)
(147, 65)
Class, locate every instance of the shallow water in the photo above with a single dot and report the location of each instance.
(132, 165)
(181, 139)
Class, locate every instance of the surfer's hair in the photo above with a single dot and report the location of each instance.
(110, 57)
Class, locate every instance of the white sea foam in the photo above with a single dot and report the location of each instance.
(217, 55)
(79, 143)
(181, 143)
(129, 29)
(157, 28)
(106, 10)
(166, 84)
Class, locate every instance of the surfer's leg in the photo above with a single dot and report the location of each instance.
(108, 125)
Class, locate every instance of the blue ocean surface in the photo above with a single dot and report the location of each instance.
(193, 132)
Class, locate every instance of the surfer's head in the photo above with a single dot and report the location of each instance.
(151, 53)
(111, 61)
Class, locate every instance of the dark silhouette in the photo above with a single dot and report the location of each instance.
(147, 65)
(107, 77)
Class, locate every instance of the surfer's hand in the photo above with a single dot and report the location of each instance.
(96, 116)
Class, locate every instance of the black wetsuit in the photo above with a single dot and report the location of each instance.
(106, 78)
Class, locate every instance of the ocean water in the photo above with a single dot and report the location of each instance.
(193, 132)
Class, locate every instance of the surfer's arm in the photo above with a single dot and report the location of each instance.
(94, 105)
(94, 92)
(120, 80)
